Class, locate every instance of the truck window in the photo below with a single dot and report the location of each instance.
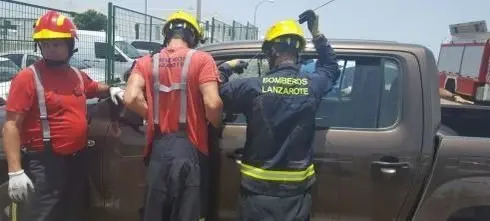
(31, 59)
(367, 95)
(450, 58)
(472, 58)
(101, 51)
(127, 49)
(16, 58)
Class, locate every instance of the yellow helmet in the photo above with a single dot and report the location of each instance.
(285, 28)
(184, 16)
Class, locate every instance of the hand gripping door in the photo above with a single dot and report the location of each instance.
(46, 131)
(182, 86)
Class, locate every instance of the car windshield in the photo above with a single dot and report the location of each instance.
(78, 63)
(128, 49)
(7, 70)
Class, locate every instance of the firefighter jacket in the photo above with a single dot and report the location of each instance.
(280, 108)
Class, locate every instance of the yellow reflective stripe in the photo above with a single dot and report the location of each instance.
(274, 175)
(13, 211)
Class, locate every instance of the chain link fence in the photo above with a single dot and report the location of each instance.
(106, 54)
(133, 34)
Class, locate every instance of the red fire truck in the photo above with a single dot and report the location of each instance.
(463, 61)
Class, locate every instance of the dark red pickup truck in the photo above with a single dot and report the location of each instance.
(385, 149)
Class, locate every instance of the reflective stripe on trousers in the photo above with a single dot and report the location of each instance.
(275, 175)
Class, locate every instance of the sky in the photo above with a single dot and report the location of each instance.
(424, 22)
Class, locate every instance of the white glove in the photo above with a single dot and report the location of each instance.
(19, 186)
(116, 93)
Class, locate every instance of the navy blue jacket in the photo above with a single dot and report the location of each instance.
(280, 108)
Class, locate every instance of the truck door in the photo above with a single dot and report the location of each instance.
(124, 173)
(225, 182)
(5, 201)
(366, 148)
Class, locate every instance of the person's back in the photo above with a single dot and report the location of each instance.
(276, 166)
(202, 69)
(284, 118)
(176, 90)
(280, 109)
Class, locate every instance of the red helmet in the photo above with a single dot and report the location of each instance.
(54, 25)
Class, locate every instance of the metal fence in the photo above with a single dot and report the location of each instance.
(219, 31)
(126, 25)
(105, 55)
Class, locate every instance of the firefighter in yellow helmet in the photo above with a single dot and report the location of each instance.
(176, 90)
(183, 25)
(277, 161)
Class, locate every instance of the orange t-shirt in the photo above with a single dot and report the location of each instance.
(65, 104)
(202, 69)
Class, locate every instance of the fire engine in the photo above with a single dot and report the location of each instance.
(463, 61)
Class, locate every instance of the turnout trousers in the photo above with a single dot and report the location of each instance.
(61, 187)
(256, 207)
(177, 174)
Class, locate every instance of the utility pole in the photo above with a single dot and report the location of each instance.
(198, 11)
(146, 15)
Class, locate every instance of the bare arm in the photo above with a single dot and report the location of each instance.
(446, 94)
(102, 90)
(11, 140)
(134, 97)
(212, 102)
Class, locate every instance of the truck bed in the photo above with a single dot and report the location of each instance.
(466, 120)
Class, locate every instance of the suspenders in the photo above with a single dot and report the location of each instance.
(182, 86)
(46, 131)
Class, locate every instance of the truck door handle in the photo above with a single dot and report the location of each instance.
(389, 168)
(90, 143)
(391, 164)
(236, 155)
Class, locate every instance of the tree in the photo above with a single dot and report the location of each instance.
(91, 20)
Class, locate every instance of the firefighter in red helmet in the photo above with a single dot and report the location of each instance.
(45, 132)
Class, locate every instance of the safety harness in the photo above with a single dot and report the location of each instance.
(43, 113)
(182, 86)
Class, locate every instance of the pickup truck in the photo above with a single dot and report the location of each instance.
(385, 148)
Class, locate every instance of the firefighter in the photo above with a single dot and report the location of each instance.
(277, 167)
(45, 133)
(180, 85)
